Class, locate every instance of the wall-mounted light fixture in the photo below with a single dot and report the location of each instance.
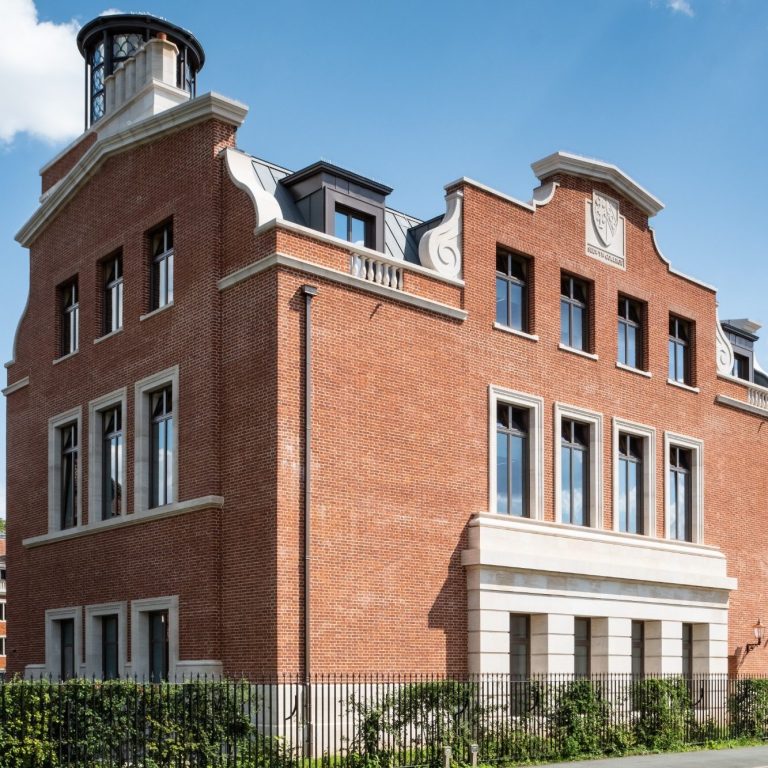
(758, 630)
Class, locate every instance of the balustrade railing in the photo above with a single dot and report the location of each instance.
(380, 271)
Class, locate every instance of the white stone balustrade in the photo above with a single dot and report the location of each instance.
(758, 398)
(380, 271)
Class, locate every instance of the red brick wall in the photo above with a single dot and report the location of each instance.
(400, 425)
(67, 161)
(178, 176)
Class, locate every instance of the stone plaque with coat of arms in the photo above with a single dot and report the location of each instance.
(605, 230)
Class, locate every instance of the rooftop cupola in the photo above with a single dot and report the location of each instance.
(136, 58)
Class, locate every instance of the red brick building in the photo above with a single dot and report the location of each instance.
(527, 435)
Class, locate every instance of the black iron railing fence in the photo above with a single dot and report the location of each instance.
(357, 721)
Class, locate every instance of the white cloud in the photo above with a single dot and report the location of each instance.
(680, 6)
(111, 12)
(41, 76)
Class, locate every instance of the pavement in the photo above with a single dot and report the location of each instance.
(745, 757)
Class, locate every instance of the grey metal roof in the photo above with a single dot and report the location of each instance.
(400, 240)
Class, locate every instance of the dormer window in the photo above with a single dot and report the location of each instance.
(338, 202)
(353, 227)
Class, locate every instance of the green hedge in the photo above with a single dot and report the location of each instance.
(121, 723)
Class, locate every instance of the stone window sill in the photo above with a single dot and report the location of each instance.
(515, 332)
(637, 371)
(108, 335)
(65, 357)
(579, 352)
(680, 385)
(156, 311)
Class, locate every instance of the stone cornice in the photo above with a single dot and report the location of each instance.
(209, 105)
(597, 170)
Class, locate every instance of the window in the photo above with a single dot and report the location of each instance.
(155, 638)
(574, 295)
(352, 226)
(106, 635)
(161, 448)
(156, 430)
(2, 645)
(2, 611)
(70, 318)
(112, 462)
(684, 497)
(630, 483)
(66, 629)
(679, 350)
(634, 477)
(113, 294)
(638, 648)
(574, 472)
(630, 333)
(519, 646)
(741, 368)
(582, 650)
(511, 290)
(680, 460)
(158, 646)
(68, 489)
(161, 247)
(109, 648)
(512, 460)
(688, 651)
(62, 642)
(106, 468)
(578, 466)
(516, 474)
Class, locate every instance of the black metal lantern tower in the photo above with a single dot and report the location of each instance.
(107, 41)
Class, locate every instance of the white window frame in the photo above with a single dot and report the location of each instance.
(96, 409)
(142, 435)
(3, 615)
(696, 447)
(535, 407)
(648, 436)
(140, 610)
(53, 639)
(93, 615)
(55, 425)
(595, 422)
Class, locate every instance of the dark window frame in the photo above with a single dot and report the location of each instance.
(157, 619)
(631, 452)
(626, 326)
(511, 431)
(582, 641)
(681, 471)
(69, 323)
(511, 280)
(679, 350)
(112, 472)
(161, 417)
(638, 649)
(69, 456)
(162, 258)
(113, 293)
(110, 647)
(67, 660)
(687, 651)
(570, 442)
(353, 214)
(571, 303)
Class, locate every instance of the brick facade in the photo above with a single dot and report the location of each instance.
(400, 422)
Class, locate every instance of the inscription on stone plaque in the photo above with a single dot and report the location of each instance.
(605, 230)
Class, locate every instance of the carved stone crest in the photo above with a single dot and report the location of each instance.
(605, 230)
(605, 214)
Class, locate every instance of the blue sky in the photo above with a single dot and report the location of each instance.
(416, 94)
